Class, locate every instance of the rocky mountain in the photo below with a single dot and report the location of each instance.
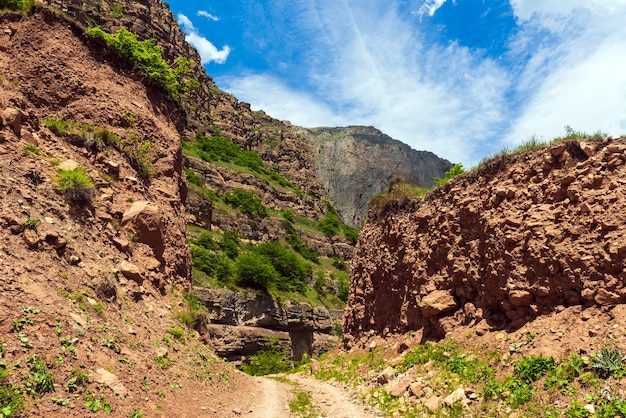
(356, 163)
(521, 237)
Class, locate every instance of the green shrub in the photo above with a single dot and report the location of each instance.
(293, 239)
(218, 149)
(75, 184)
(213, 264)
(16, 5)
(177, 333)
(456, 170)
(292, 271)
(273, 359)
(255, 270)
(230, 243)
(531, 369)
(148, 56)
(329, 225)
(11, 400)
(193, 178)
(342, 281)
(206, 241)
(247, 202)
(350, 233)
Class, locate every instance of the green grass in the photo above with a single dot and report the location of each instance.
(138, 151)
(271, 360)
(75, 184)
(302, 405)
(403, 194)
(220, 150)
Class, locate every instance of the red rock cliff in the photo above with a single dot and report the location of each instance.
(496, 247)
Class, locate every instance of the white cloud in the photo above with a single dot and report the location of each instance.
(208, 15)
(281, 102)
(208, 52)
(526, 9)
(429, 7)
(369, 64)
(587, 94)
(574, 79)
(373, 69)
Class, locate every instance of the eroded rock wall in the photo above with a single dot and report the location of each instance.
(497, 247)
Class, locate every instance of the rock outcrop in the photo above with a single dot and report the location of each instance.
(242, 322)
(497, 247)
(357, 162)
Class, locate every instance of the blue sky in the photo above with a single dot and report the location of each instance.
(461, 78)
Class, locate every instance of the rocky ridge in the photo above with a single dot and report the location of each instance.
(356, 163)
(496, 248)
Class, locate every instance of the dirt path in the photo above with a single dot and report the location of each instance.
(269, 398)
(333, 401)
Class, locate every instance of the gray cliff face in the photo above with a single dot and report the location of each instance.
(241, 323)
(357, 162)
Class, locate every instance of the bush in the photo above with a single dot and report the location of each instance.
(330, 225)
(230, 243)
(16, 5)
(293, 239)
(75, 184)
(255, 270)
(211, 263)
(343, 284)
(531, 369)
(456, 170)
(291, 270)
(222, 150)
(193, 178)
(206, 241)
(247, 202)
(148, 56)
(11, 400)
(273, 359)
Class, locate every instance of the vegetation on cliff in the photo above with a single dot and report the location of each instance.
(220, 150)
(224, 259)
(148, 56)
(16, 5)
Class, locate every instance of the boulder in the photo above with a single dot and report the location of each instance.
(144, 219)
(433, 404)
(111, 381)
(131, 271)
(437, 302)
(456, 396)
(13, 119)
